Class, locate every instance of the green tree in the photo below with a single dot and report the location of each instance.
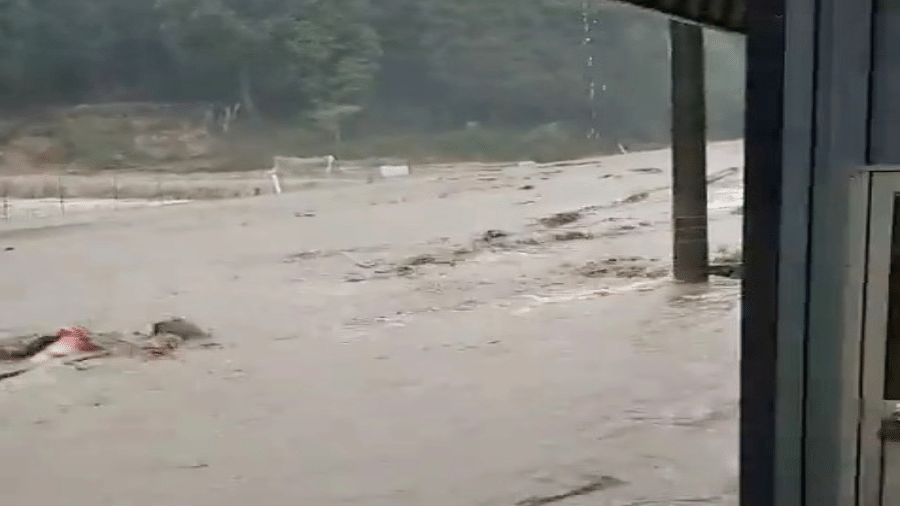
(507, 61)
(295, 53)
(420, 65)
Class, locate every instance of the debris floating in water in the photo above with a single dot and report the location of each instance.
(76, 344)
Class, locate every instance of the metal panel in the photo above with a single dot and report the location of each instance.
(773, 323)
(891, 487)
(855, 291)
(877, 261)
(832, 390)
(874, 227)
(885, 147)
(800, 94)
(803, 153)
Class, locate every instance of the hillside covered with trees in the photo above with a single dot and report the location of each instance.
(369, 68)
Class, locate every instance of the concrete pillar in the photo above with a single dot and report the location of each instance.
(689, 199)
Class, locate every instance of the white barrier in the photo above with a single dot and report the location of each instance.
(394, 170)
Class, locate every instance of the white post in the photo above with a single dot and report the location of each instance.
(330, 160)
(276, 181)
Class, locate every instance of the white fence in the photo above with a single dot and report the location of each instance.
(41, 195)
(29, 209)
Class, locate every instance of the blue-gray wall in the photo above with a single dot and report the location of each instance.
(885, 126)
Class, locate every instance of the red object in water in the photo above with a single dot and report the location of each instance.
(71, 340)
(76, 339)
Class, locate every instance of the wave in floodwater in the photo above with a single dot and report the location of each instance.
(726, 198)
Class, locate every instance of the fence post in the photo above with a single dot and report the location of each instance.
(62, 195)
(115, 188)
(6, 214)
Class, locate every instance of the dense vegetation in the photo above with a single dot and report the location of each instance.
(370, 68)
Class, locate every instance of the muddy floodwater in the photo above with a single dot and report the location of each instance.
(464, 336)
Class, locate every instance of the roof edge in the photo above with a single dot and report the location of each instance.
(728, 15)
